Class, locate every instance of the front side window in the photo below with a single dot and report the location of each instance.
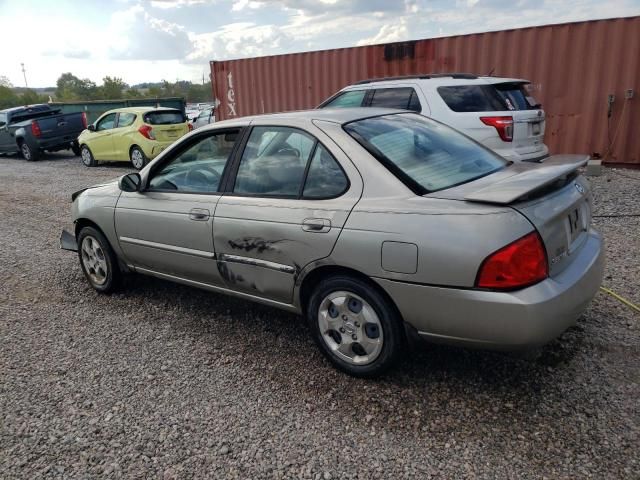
(126, 119)
(402, 98)
(426, 155)
(352, 98)
(199, 168)
(106, 123)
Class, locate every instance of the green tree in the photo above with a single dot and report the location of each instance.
(112, 88)
(5, 82)
(70, 87)
(30, 97)
(8, 98)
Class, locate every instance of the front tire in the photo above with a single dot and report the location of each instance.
(29, 154)
(355, 326)
(87, 157)
(97, 260)
(138, 158)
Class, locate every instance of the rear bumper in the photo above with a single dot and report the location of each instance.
(503, 320)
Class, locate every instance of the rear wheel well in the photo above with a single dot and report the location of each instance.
(135, 146)
(316, 276)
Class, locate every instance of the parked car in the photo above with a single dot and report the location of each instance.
(33, 129)
(497, 112)
(373, 223)
(135, 134)
(205, 117)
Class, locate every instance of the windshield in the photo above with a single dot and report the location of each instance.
(425, 154)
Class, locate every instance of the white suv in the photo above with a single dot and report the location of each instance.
(497, 112)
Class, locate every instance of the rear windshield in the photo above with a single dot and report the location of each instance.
(165, 117)
(487, 98)
(423, 153)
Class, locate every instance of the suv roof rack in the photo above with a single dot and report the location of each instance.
(463, 76)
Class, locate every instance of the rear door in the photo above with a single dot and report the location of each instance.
(285, 208)
(168, 125)
(403, 97)
(167, 228)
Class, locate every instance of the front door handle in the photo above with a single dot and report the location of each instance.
(199, 214)
(316, 225)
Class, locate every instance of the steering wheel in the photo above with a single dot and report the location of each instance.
(202, 177)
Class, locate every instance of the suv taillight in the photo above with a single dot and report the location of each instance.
(504, 126)
(84, 120)
(190, 125)
(147, 132)
(35, 129)
(518, 265)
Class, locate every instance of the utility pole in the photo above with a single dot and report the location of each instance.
(24, 74)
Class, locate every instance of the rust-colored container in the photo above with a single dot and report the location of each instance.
(572, 68)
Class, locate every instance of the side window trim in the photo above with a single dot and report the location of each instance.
(194, 140)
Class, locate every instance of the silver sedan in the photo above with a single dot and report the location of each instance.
(374, 224)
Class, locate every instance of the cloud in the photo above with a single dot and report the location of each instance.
(136, 35)
(388, 33)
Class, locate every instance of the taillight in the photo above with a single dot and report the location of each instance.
(147, 132)
(84, 120)
(519, 264)
(35, 129)
(190, 126)
(504, 126)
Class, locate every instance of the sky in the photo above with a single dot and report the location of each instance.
(151, 40)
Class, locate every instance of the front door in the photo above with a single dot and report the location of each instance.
(101, 141)
(7, 142)
(167, 228)
(286, 207)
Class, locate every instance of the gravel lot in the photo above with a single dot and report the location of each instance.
(164, 381)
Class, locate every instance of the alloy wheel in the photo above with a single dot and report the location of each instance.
(94, 261)
(137, 158)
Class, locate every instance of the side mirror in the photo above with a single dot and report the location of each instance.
(130, 182)
(91, 128)
(3, 125)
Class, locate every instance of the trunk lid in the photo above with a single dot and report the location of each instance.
(168, 125)
(552, 196)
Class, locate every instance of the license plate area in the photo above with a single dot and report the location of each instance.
(576, 224)
(536, 128)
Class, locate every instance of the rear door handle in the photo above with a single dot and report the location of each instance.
(199, 214)
(316, 225)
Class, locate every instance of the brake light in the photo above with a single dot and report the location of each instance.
(190, 126)
(518, 265)
(84, 120)
(504, 126)
(147, 132)
(35, 129)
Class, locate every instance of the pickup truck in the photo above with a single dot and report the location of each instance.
(33, 129)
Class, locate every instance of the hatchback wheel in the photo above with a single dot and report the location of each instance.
(355, 326)
(87, 157)
(99, 263)
(138, 158)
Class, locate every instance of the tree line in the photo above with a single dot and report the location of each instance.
(70, 88)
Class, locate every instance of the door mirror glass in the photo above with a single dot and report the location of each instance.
(91, 128)
(130, 182)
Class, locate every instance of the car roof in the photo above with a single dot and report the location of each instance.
(335, 115)
(140, 109)
(434, 80)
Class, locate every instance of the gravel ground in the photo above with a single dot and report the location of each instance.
(164, 381)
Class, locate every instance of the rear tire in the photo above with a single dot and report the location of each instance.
(138, 158)
(87, 157)
(97, 260)
(355, 326)
(28, 153)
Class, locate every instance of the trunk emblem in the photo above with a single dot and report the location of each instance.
(579, 187)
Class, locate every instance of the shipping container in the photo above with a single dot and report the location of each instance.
(573, 68)
(94, 108)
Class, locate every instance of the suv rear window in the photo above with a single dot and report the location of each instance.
(426, 155)
(402, 98)
(472, 98)
(164, 117)
(516, 96)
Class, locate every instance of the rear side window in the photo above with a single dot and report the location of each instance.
(424, 154)
(472, 98)
(164, 117)
(401, 98)
(515, 96)
(352, 98)
(126, 119)
(325, 178)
